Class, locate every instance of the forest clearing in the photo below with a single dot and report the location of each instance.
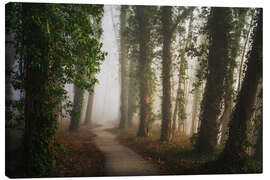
(130, 90)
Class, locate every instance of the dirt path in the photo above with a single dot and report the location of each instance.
(120, 160)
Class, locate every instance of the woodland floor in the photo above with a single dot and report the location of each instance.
(176, 157)
(96, 151)
(79, 156)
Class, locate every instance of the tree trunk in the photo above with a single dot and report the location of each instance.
(243, 55)
(40, 127)
(181, 75)
(123, 64)
(195, 110)
(229, 79)
(214, 89)
(88, 117)
(166, 13)
(224, 121)
(234, 152)
(144, 70)
(9, 62)
(258, 146)
(76, 110)
(132, 92)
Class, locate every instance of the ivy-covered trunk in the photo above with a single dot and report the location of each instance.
(229, 79)
(144, 70)
(46, 60)
(40, 109)
(244, 53)
(76, 110)
(258, 155)
(166, 13)
(180, 105)
(123, 65)
(219, 28)
(234, 153)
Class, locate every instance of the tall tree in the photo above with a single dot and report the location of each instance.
(123, 65)
(77, 107)
(219, 28)
(132, 91)
(167, 30)
(234, 154)
(168, 27)
(195, 109)
(142, 14)
(244, 51)
(259, 126)
(47, 44)
(234, 50)
(180, 102)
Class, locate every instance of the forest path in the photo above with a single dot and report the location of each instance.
(119, 159)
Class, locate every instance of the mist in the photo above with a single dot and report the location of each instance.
(128, 90)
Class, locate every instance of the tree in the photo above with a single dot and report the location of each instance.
(168, 28)
(142, 14)
(50, 40)
(166, 13)
(132, 90)
(244, 52)
(180, 100)
(234, 154)
(77, 108)
(89, 109)
(259, 127)
(234, 50)
(123, 64)
(219, 28)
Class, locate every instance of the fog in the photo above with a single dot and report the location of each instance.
(107, 92)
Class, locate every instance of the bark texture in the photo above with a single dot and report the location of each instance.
(195, 110)
(234, 153)
(39, 126)
(166, 13)
(76, 110)
(88, 117)
(123, 65)
(214, 89)
(132, 92)
(181, 77)
(144, 69)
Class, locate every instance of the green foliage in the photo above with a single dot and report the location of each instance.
(51, 40)
(132, 37)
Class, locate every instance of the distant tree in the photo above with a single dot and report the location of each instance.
(219, 28)
(77, 108)
(132, 90)
(234, 153)
(89, 109)
(132, 40)
(168, 27)
(180, 99)
(123, 65)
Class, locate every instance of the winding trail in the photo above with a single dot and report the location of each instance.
(121, 160)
